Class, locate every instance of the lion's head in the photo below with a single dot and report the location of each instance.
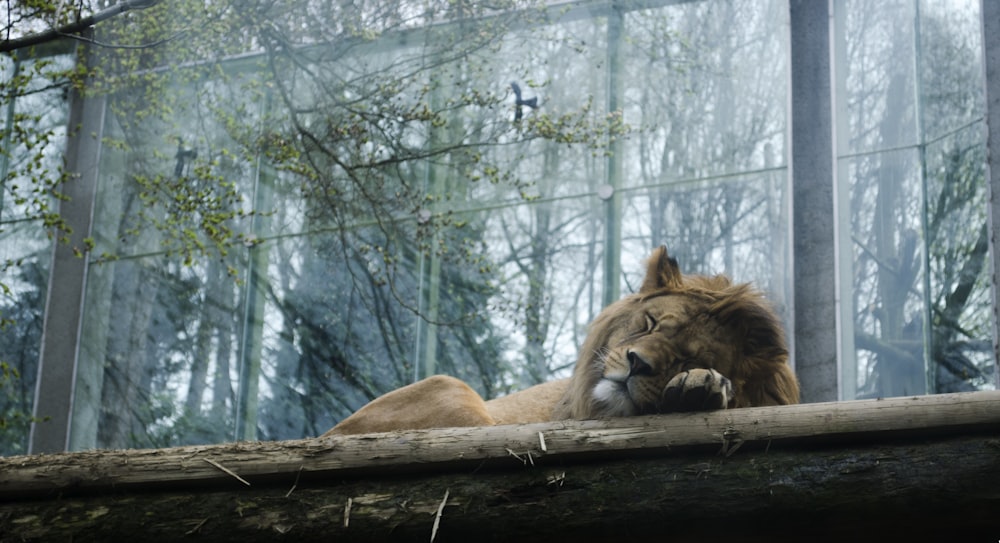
(641, 349)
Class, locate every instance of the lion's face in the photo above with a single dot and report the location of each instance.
(681, 343)
(650, 342)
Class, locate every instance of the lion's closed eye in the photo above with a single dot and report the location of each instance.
(651, 322)
(638, 328)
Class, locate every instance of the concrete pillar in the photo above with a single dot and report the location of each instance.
(813, 215)
(991, 65)
(68, 278)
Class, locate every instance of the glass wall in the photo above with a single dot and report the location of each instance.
(911, 154)
(399, 215)
(294, 217)
(32, 136)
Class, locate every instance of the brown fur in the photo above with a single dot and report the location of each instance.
(436, 402)
(674, 324)
(651, 352)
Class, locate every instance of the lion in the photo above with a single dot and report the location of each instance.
(681, 343)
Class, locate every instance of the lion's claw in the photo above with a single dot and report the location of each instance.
(697, 390)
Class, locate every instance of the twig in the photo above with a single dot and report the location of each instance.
(728, 450)
(197, 527)
(731, 441)
(226, 470)
(515, 455)
(557, 479)
(541, 442)
(437, 517)
(149, 45)
(296, 483)
(347, 512)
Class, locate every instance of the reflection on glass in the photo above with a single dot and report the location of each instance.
(33, 121)
(913, 159)
(331, 210)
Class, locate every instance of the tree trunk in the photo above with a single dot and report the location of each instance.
(926, 466)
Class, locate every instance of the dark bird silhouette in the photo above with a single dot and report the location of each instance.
(519, 102)
(182, 156)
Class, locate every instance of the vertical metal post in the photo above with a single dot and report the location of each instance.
(930, 368)
(418, 342)
(613, 217)
(252, 335)
(848, 365)
(990, 17)
(433, 293)
(54, 390)
(429, 285)
(813, 212)
(8, 130)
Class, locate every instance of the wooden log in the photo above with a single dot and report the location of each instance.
(920, 466)
(946, 489)
(458, 448)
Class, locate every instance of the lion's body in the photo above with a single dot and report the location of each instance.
(533, 404)
(681, 343)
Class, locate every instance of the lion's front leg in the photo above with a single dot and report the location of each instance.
(697, 390)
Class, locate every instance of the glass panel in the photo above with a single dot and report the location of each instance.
(961, 338)
(706, 166)
(888, 291)
(166, 303)
(33, 113)
(304, 228)
(913, 161)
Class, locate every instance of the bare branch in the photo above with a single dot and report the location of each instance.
(118, 46)
(7, 46)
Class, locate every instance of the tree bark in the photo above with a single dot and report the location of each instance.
(918, 466)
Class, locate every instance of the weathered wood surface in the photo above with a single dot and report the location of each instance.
(918, 466)
(458, 448)
(946, 489)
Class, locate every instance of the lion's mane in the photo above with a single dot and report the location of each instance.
(727, 327)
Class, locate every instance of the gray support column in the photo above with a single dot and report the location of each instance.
(991, 66)
(813, 217)
(68, 277)
(613, 217)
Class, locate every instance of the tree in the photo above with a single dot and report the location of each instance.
(305, 203)
(918, 209)
(22, 336)
(30, 136)
(282, 205)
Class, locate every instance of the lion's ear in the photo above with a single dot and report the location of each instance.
(662, 271)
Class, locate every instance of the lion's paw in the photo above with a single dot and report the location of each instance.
(697, 390)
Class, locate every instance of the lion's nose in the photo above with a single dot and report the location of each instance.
(636, 364)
